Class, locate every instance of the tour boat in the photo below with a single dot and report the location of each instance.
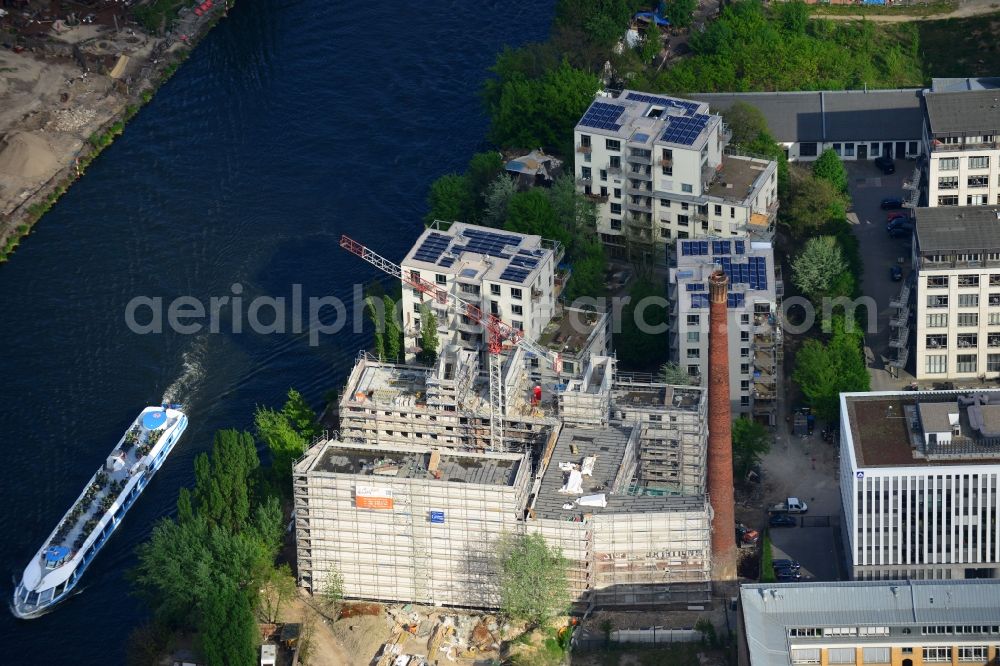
(57, 567)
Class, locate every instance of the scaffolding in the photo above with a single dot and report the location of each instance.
(587, 401)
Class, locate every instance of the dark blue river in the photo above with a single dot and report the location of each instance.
(293, 122)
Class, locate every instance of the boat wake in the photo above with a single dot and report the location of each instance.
(192, 373)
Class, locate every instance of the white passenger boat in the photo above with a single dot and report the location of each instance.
(57, 567)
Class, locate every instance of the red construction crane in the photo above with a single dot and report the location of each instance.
(498, 331)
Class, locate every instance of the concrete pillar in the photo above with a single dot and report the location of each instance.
(720, 435)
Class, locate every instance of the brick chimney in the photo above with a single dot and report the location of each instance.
(720, 434)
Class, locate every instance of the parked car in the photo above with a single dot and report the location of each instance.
(896, 273)
(892, 203)
(787, 575)
(786, 564)
(746, 536)
(782, 520)
(901, 231)
(886, 165)
(892, 217)
(790, 505)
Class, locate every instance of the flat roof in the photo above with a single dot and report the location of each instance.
(737, 177)
(957, 84)
(837, 115)
(882, 434)
(476, 253)
(570, 329)
(649, 119)
(957, 228)
(771, 609)
(608, 446)
(414, 462)
(963, 112)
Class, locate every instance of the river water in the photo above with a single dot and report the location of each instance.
(292, 123)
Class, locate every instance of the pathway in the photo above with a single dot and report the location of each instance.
(965, 9)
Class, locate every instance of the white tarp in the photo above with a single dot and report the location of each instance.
(593, 500)
(574, 485)
(588, 465)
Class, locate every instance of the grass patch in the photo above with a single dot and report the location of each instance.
(158, 15)
(960, 47)
(766, 561)
(921, 9)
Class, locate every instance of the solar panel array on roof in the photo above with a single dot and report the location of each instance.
(513, 274)
(446, 262)
(694, 248)
(488, 243)
(689, 107)
(684, 130)
(523, 259)
(432, 248)
(752, 273)
(603, 116)
(740, 247)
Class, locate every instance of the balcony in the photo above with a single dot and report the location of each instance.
(637, 157)
(583, 149)
(584, 182)
(639, 191)
(615, 171)
(939, 147)
(641, 207)
(640, 174)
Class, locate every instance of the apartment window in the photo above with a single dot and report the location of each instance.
(604, 190)
(937, 320)
(968, 340)
(614, 162)
(744, 401)
(994, 319)
(744, 352)
(993, 340)
(744, 385)
(604, 174)
(948, 201)
(911, 148)
(618, 193)
(805, 656)
(936, 342)
(687, 188)
(416, 307)
(979, 162)
(682, 220)
(693, 320)
(616, 224)
(440, 279)
(937, 281)
(972, 653)
(993, 363)
(936, 364)
(968, 257)
(937, 301)
(841, 655)
(948, 183)
(948, 164)
(494, 308)
(808, 149)
(666, 162)
(693, 336)
(849, 150)
(585, 140)
(693, 352)
(515, 293)
(993, 256)
(616, 209)
(718, 210)
(665, 203)
(744, 336)
(694, 370)
(612, 144)
(968, 280)
(966, 363)
(979, 181)
(975, 200)
(837, 149)
(968, 300)
(744, 368)
(968, 319)
(937, 654)
(495, 289)
(875, 655)
(516, 309)
(873, 149)
(664, 233)
(585, 173)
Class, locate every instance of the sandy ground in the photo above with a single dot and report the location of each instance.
(965, 9)
(326, 649)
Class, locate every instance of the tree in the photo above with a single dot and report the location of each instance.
(332, 591)
(285, 443)
(300, 415)
(823, 372)
(589, 264)
(224, 483)
(532, 578)
(675, 374)
(637, 346)
(393, 331)
(812, 203)
(651, 44)
(483, 170)
(450, 198)
(750, 443)
(819, 268)
(680, 13)
(227, 631)
(378, 322)
(828, 167)
(428, 336)
(496, 199)
(746, 123)
(531, 212)
(277, 590)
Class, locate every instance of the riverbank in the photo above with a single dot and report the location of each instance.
(66, 92)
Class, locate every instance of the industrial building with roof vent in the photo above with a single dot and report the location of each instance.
(659, 170)
(888, 623)
(920, 484)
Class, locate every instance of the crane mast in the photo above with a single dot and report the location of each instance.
(498, 331)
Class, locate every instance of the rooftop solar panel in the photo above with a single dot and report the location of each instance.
(684, 130)
(689, 107)
(446, 262)
(601, 115)
(512, 274)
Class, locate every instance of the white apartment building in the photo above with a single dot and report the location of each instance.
(956, 260)
(754, 310)
(920, 484)
(659, 170)
(507, 274)
(962, 142)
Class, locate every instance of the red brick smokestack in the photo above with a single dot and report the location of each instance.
(720, 434)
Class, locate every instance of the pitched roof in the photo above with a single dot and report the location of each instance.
(842, 115)
(963, 112)
(957, 228)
